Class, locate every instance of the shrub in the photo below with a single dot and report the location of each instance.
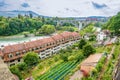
(71, 58)
(64, 57)
(22, 66)
(16, 71)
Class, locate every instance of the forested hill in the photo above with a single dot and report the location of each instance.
(113, 24)
(12, 26)
(28, 24)
(15, 13)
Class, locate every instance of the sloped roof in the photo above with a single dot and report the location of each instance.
(12, 48)
(89, 64)
(57, 37)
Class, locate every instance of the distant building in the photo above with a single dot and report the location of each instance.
(102, 35)
(12, 54)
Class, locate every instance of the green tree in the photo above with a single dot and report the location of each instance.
(113, 24)
(88, 49)
(48, 29)
(92, 38)
(31, 58)
(82, 43)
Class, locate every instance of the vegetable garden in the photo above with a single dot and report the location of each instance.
(59, 71)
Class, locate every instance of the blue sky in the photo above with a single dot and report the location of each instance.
(64, 8)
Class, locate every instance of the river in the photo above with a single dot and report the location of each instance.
(15, 40)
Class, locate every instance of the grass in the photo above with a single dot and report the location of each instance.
(104, 49)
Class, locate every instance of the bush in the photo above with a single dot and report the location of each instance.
(22, 66)
(71, 58)
(16, 71)
(79, 57)
(64, 57)
(69, 49)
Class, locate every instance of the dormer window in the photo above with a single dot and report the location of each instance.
(17, 53)
(10, 55)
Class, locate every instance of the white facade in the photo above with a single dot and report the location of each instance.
(55, 50)
(101, 36)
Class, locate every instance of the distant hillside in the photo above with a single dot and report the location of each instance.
(16, 12)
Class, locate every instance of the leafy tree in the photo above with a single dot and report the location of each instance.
(88, 49)
(31, 58)
(82, 43)
(113, 24)
(48, 29)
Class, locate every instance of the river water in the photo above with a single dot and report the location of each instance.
(15, 40)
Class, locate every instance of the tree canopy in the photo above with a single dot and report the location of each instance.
(47, 29)
(31, 58)
(113, 24)
(88, 49)
(82, 43)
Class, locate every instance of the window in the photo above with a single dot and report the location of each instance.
(18, 60)
(10, 55)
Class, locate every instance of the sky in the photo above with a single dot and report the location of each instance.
(64, 8)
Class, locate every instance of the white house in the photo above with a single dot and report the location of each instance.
(101, 36)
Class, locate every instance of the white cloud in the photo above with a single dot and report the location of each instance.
(65, 8)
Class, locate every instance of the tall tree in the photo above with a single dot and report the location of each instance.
(31, 58)
(82, 43)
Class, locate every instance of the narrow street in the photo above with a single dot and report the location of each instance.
(106, 63)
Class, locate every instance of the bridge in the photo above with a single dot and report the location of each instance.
(79, 24)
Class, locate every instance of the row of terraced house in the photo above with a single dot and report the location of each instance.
(12, 54)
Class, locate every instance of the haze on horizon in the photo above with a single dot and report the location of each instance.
(64, 8)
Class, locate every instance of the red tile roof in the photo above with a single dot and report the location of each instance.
(66, 34)
(89, 64)
(57, 37)
(75, 34)
(13, 48)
